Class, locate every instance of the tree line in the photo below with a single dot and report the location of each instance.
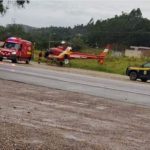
(121, 31)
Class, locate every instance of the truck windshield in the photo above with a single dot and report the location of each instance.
(9, 45)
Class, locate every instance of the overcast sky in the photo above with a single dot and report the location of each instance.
(45, 13)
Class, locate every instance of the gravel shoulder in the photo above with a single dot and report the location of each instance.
(39, 118)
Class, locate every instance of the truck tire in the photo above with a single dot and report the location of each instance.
(133, 75)
(14, 60)
(144, 79)
(1, 58)
(27, 61)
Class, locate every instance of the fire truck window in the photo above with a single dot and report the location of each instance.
(12, 46)
(17, 46)
(8, 45)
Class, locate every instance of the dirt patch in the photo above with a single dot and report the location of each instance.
(40, 118)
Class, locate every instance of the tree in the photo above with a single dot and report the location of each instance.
(77, 42)
(136, 13)
(2, 8)
(4, 5)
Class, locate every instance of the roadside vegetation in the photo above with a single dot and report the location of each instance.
(111, 65)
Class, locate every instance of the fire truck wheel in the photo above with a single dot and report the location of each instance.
(27, 61)
(1, 58)
(14, 60)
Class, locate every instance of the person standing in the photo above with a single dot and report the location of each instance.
(40, 57)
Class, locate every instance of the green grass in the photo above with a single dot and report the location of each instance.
(111, 65)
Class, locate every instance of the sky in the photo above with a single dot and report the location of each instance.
(65, 13)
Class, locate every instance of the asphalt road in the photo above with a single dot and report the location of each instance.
(121, 90)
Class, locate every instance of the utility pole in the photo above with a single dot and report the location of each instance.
(49, 42)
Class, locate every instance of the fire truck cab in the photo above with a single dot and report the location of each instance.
(16, 49)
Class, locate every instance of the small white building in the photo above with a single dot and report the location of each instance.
(137, 51)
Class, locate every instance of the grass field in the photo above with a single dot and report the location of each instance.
(111, 65)
(116, 65)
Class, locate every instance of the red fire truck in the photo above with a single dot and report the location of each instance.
(16, 49)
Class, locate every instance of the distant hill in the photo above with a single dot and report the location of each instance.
(26, 28)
